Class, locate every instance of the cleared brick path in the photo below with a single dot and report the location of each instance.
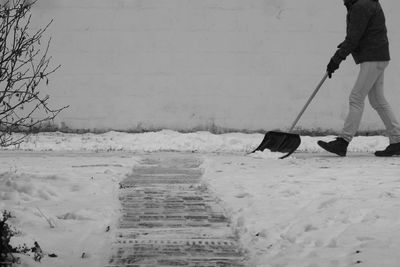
(170, 219)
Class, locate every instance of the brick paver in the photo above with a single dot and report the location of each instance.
(170, 219)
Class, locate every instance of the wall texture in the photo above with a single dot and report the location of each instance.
(200, 64)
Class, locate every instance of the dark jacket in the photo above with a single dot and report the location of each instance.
(366, 34)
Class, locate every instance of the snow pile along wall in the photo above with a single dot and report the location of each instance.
(184, 64)
(166, 140)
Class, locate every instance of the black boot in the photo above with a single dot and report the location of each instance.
(391, 150)
(338, 147)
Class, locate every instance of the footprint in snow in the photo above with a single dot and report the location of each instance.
(327, 203)
(243, 195)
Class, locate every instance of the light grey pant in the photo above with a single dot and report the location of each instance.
(370, 82)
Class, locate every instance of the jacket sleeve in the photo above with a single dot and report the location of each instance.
(357, 24)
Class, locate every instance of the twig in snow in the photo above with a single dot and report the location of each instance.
(51, 223)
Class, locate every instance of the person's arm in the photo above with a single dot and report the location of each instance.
(358, 22)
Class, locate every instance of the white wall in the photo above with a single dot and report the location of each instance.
(190, 64)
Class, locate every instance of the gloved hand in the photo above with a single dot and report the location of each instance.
(332, 67)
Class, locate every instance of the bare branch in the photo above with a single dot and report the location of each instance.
(23, 68)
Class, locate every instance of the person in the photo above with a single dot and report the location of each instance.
(366, 40)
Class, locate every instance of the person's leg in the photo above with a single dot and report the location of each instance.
(369, 73)
(379, 103)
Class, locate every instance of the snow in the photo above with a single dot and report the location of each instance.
(311, 209)
(64, 201)
(167, 140)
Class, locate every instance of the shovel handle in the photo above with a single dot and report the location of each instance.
(308, 102)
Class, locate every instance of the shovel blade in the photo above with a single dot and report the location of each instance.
(280, 142)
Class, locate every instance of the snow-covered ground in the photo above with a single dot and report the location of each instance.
(311, 209)
(64, 201)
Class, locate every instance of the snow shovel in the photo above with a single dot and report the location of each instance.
(286, 142)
